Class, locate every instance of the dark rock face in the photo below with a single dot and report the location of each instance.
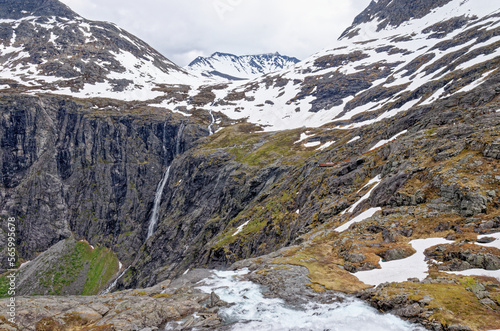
(493, 150)
(203, 195)
(10, 9)
(66, 169)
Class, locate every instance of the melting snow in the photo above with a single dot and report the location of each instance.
(367, 195)
(370, 182)
(414, 266)
(477, 272)
(326, 145)
(313, 144)
(303, 136)
(353, 139)
(240, 228)
(361, 217)
(383, 142)
(476, 83)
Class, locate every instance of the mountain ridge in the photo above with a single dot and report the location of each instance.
(75, 56)
(223, 65)
(375, 73)
(23, 8)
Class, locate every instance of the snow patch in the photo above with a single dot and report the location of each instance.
(477, 272)
(303, 136)
(366, 196)
(361, 217)
(240, 228)
(383, 142)
(372, 181)
(414, 266)
(353, 139)
(313, 144)
(325, 145)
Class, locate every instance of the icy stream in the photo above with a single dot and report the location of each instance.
(253, 311)
(210, 130)
(113, 284)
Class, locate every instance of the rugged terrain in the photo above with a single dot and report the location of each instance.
(402, 144)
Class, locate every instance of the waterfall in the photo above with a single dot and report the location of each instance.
(156, 206)
(113, 284)
(178, 139)
(212, 123)
(161, 185)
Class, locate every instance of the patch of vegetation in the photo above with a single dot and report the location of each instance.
(98, 264)
(48, 324)
(103, 266)
(324, 266)
(254, 148)
(4, 285)
(451, 303)
(273, 212)
(162, 295)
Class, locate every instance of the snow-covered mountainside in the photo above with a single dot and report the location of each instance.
(223, 67)
(45, 46)
(397, 55)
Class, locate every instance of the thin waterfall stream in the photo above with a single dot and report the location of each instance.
(155, 212)
(156, 206)
(210, 130)
(161, 185)
(113, 284)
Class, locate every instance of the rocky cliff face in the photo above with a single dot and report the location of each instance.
(71, 166)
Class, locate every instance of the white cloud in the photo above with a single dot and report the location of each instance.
(183, 29)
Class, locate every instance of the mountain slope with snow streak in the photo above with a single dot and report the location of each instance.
(378, 68)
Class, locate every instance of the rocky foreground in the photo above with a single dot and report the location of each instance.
(142, 309)
(181, 305)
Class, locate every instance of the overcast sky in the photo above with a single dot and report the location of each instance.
(182, 30)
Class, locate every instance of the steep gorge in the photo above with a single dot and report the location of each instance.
(69, 166)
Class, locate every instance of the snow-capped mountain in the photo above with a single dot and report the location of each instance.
(45, 46)
(390, 60)
(395, 56)
(223, 66)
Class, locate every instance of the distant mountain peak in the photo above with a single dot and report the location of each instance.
(226, 66)
(16, 9)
